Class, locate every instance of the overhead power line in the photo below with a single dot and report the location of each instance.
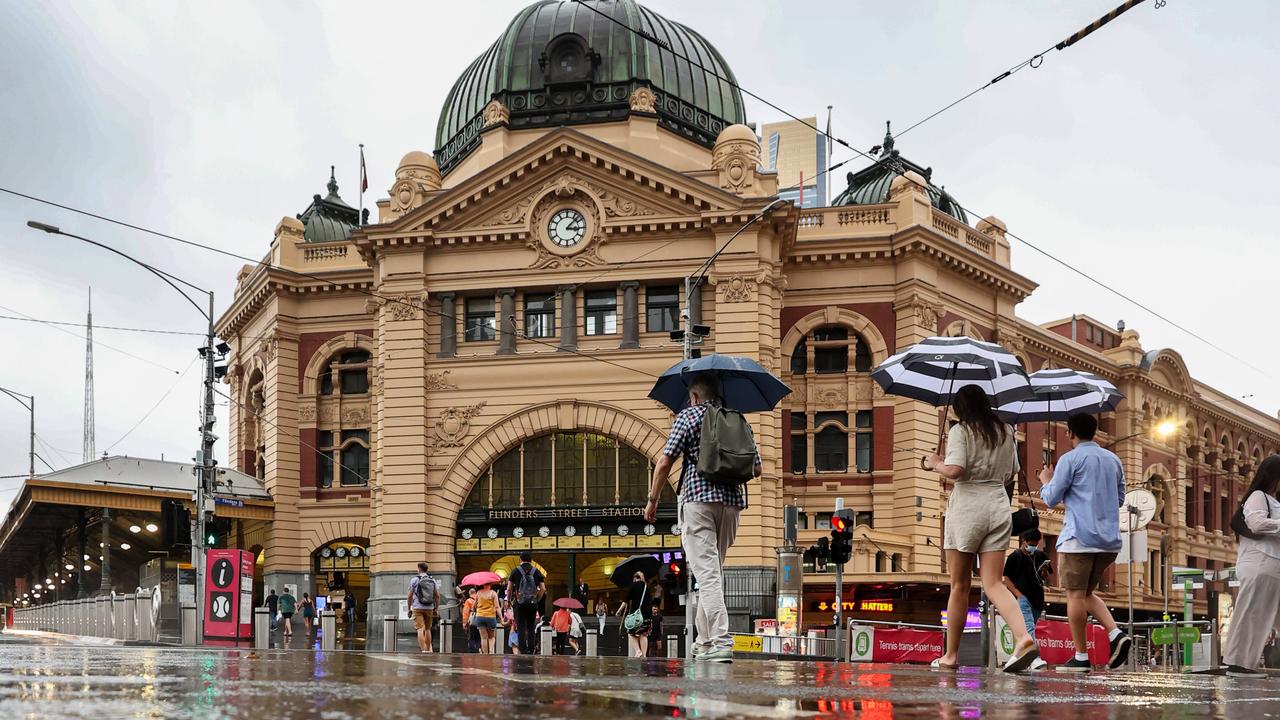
(1076, 37)
(100, 327)
(163, 397)
(99, 343)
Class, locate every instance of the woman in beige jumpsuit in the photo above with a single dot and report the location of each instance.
(1257, 607)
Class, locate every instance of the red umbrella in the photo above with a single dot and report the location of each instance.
(483, 577)
(568, 603)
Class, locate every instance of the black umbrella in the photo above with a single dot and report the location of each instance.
(647, 564)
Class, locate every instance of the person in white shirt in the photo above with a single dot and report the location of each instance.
(1257, 607)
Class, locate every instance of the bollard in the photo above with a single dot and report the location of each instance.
(388, 633)
(261, 628)
(446, 636)
(547, 635)
(117, 616)
(99, 618)
(188, 621)
(130, 617)
(593, 642)
(146, 629)
(500, 641)
(328, 630)
(673, 646)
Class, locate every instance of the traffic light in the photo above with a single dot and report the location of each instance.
(841, 537)
(819, 554)
(217, 531)
(674, 577)
(175, 524)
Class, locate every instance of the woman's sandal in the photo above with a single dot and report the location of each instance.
(937, 664)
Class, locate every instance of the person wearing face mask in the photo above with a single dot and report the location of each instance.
(1025, 571)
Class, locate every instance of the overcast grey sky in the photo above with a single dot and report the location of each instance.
(1144, 155)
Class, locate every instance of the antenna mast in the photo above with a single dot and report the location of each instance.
(89, 445)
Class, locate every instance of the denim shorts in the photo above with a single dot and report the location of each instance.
(488, 623)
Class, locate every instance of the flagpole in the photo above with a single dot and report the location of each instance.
(360, 221)
(827, 200)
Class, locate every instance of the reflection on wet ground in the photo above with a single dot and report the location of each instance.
(44, 679)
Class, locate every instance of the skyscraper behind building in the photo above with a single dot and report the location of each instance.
(793, 148)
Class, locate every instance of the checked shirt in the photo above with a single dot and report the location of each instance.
(684, 440)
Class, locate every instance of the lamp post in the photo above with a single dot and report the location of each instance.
(30, 405)
(1162, 430)
(204, 458)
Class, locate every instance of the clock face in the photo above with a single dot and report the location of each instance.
(466, 533)
(544, 531)
(518, 532)
(570, 531)
(596, 530)
(493, 533)
(355, 552)
(327, 552)
(649, 529)
(623, 530)
(675, 529)
(567, 227)
(342, 552)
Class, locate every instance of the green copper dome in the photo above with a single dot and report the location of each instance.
(870, 186)
(328, 218)
(564, 63)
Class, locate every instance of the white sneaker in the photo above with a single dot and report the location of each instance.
(1037, 664)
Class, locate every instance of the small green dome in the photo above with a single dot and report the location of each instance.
(328, 219)
(561, 62)
(870, 186)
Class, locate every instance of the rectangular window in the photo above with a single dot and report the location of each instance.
(537, 472)
(863, 444)
(800, 358)
(355, 457)
(864, 517)
(831, 359)
(799, 443)
(569, 474)
(1225, 527)
(1206, 512)
(1188, 506)
(662, 308)
(602, 470)
(324, 459)
(480, 320)
(539, 315)
(601, 312)
(822, 521)
(355, 381)
(831, 444)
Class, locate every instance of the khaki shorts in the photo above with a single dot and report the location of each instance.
(422, 619)
(1083, 571)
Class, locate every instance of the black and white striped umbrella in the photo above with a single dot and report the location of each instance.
(1060, 393)
(935, 369)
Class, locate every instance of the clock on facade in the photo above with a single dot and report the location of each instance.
(623, 530)
(675, 529)
(327, 552)
(596, 530)
(570, 531)
(518, 532)
(544, 531)
(649, 529)
(493, 533)
(567, 227)
(466, 533)
(355, 552)
(342, 552)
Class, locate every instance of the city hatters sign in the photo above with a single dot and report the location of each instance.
(565, 513)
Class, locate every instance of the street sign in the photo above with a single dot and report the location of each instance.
(748, 643)
(1182, 586)
(1189, 635)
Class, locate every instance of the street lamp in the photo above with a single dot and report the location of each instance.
(1162, 430)
(211, 350)
(30, 405)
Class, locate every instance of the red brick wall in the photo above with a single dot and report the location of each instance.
(880, 314)
(308, 343)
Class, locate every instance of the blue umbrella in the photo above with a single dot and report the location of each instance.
(747, 386)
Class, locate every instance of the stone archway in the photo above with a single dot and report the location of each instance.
(530, 422)
(835, 315)
(323, 354)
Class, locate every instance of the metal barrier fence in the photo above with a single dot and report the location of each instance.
(127, 617)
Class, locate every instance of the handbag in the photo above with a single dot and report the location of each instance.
(1240, 527)
(635, 619)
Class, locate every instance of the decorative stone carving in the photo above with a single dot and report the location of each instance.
(833, 397)
(440, 381)
(307, 413)
(565, 190)
(736, 289)
(514, 214)
(615, 205)
(923, 312)
(642, 100)
(736, 157)
(877, 392)
(356, 416)
(416, 177)
(405, 306)
(454, 423)
(495, 113)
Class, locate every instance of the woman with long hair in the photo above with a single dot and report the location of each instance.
(981, 457)
(637, 607)
(485, 617)
(1257, 608)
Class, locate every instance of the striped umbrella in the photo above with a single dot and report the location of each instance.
(935, 369)
(1061, 393)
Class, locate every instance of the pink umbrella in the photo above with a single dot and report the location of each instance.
(483, 577)
(568, 603)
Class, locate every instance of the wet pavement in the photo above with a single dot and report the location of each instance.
(40, 678)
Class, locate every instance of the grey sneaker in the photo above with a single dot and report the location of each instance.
(718, 655)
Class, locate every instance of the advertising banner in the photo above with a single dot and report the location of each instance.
(905, 645)
(228, 594)
(1056, 645)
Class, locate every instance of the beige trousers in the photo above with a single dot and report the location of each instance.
(1257, 609)
(707, 531)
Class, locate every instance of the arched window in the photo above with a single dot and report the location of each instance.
(348, 371)
(831, 349)
(344, 453)
(566, 469)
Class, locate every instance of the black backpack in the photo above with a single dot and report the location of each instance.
(425, 591)
(527, 590)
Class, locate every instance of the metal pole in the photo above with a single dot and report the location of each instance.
(1133, 657)
(839, 609)
(691, 599)
(204, 484)
(31, 441)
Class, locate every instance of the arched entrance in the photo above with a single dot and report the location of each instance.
(575, 500)
(341, 567)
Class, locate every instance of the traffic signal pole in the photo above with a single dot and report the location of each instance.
(204, 476)
(840, 654)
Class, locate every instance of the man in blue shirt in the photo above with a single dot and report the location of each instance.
(1089, 480)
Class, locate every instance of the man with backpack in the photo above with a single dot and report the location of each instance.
(424, 598)
(720, 456)
(525, 588)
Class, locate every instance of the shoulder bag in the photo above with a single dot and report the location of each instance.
(635, 618)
